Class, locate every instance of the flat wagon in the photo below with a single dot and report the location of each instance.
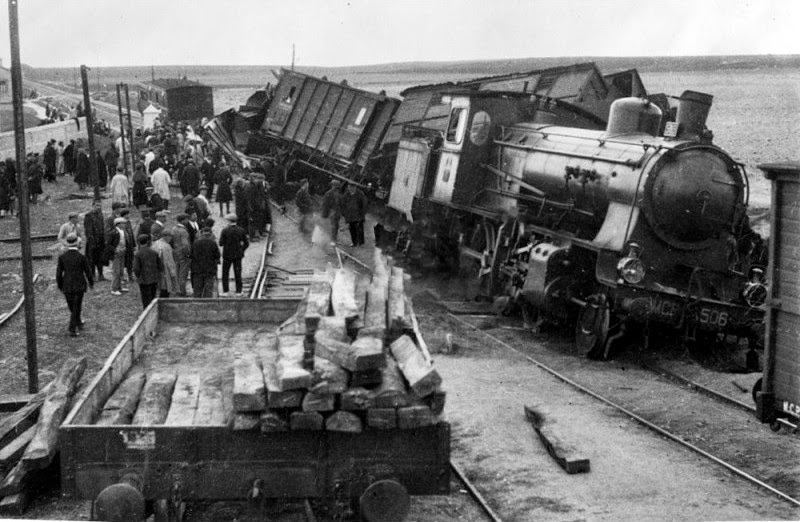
(777, 393)
(174, 463)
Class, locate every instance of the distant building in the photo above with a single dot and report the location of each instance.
(5, 84)
(179, 99)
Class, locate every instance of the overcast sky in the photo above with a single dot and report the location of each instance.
(358, 32)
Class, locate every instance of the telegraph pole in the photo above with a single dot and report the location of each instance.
(122, 130)
(87, 104)
(130, 128)
(22, 195)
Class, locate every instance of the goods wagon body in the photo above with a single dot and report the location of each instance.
(328, 118)
(207, 458)
(779, 395)
(180, 99)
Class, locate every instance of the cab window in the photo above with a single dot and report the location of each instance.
(455, 127)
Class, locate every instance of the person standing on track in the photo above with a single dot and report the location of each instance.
(354, 210)
(233, 241)
(304, 204)
(74, 277)
(205, 258)
(147, 266)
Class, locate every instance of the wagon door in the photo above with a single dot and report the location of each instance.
(409, 173)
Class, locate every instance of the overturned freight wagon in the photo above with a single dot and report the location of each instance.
(179, 99)
(165, 418)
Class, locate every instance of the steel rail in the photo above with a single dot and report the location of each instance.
(634, 416)
(474, 493)
(6, 316)
(261, 275)
(45, 237)
(699, 387)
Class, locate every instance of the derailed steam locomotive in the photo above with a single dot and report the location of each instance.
(638, 221)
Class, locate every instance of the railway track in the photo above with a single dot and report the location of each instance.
(6, 316)
(717, 442)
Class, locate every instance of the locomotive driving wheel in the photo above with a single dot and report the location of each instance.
(593, 326)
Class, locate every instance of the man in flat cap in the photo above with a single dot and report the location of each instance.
(74, 277)
(148, 267)
(72, 226)
(233, 241)
(116, 246)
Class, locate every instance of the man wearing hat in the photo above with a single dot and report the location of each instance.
(158, 224)
(160, 180)
(304, 204)
(148, 268)
(331, 207)
(73, 277)
(95, 238)
(72, 226)
(202, 204)
(205, 258)
(233, 241)
(168, 281)
(116, 246)
(182, 252)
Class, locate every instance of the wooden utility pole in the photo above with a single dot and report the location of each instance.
(122, 130)
(22, 196)
(130, 128)
(87, 105)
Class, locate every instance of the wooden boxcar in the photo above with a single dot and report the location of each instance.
(779, 396)
(216, 462)
(330, 119)
(180, 98)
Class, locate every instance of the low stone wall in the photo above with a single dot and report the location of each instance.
(37, 137)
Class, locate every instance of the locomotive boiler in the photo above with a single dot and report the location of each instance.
(639, 222)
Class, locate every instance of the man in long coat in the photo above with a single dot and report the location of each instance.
(93, 227)
(74, 277)
(49, 156)
(205, 258)
(233, 241)
(354, 210)
(168, 283)
(181, 253)
(120, 188)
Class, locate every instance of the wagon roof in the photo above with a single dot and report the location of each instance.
(174, 83)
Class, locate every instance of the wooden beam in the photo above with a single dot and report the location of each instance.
(423, 346)
(363, 354)
(366, 377)
(421, 376)
(375, 312)
(306, 420)
(276, 398)
(272, 421)
(343, 295)
(9, 403)
(12, 452)
(333, 327)
(246, 421)
(296, 324)
(248, 383)
(357, 399)
(22, 419)
(328, 377)
(185, 398)
(319, 304)
(44, 444)
(210, 403)
(153, 405)
(564, 452)
(414, 416)
(392, 391)
(121, 406)
(344, 421)
(318, 401)
(382, 418)
(396, 305)
(291, 373)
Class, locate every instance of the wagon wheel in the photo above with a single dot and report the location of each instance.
(756, 389)
(384, 501)
(593, 326)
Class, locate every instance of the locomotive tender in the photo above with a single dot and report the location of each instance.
(608, 219)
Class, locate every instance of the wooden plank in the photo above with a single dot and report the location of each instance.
(272, 421)
(19, 421)
(44, 444)
(185, 397)
(210, 404)
(17, 503)
(423, 346)
(333, 327)
(414, 416)
(276, 398)
(12, 452)
(306, 420)
(318, 402)
(10, 402)
(291, 373)
(345, 422)
(247, 421)
(564, 452)
(248, 383)
(328, 377)
(375, 312)
(19, 477)
(436, 401)
(421, 376)
(382, 418)
(363, 354)
(366, 377)
(396, 305)
(296, 324)
(120, 407)
(319, 304)
(343, 296)
(154, 403)
(392, 391)
(357, 399)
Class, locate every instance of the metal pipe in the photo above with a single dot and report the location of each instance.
(87, 109)
(22, 196)
(628, 162)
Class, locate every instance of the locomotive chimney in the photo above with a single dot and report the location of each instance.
(692, 114)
